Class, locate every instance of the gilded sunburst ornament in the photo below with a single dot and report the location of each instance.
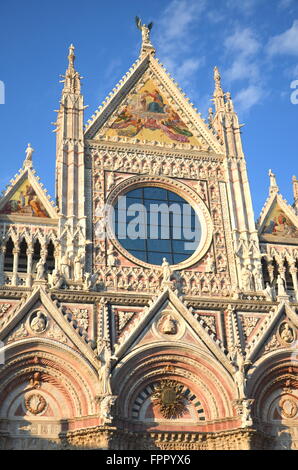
(169, 397)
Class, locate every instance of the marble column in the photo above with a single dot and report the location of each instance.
(16, 252)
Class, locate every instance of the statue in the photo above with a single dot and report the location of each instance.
(111, 258)
(272, 177)
(104, 375)
(65, 266)
(106, 404)
(247, 283)
(29, 152)
(269, 292)
(280, 286)
(240, 374)
(210, 117)
(210, 265)
(229, 103)
(55, 279)
(246, 413)
(217, 76)
(78, 267)
(145, 29)
(40, 269)
(35, 380)
(111, 180)
(257, 276)
(90, 281)
(167, 271)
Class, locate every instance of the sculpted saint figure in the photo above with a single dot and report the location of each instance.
(38, 323)
(287, 334)
(78, 267)
(65, 266)
(280, 286)
(210, 265)
(166, 269)
(40, 269)
(29, 152)
(169, 326)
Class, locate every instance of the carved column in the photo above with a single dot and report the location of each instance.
(29, 253)
(270, 267)
(44, 252)
(293, 272)
(2, 257)
(16, 252)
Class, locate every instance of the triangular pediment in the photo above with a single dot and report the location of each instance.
(148, 107)
(40, 318)
(26, 200)
(168, 321)
(278, 221)
(278, 331)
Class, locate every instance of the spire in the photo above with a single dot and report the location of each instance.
(295, 191)
(217, 79)
(147, 47)
(71, 57)
(28, 160)
(218, 95)
(273, 188)
(71, 79)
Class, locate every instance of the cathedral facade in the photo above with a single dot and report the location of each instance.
(145, 308)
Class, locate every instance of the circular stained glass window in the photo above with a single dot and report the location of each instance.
(153, 223)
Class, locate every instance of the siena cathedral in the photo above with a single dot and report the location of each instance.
(145, 308)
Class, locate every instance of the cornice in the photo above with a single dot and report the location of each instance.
(140, 148)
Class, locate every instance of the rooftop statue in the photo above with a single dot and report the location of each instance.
(145, 29)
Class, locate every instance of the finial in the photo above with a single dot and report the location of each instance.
(71, 56)
(273, 185)
(28, 160)
(145, 29)
(295, 191)
(229, 102)
(217, 77)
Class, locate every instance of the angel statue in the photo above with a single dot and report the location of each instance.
(145, 29)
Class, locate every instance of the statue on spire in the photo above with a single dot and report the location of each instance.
(72, 78)
(145, 29)
(71, 57)
(217, 77)
(28, 160)
(273, 184)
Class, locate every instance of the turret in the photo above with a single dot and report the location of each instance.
(70, 169)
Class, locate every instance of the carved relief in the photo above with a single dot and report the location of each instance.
(168, 396)
(38, 322)
(248, 324)
(35, 403)
(81, 315)
(286, 334)
(288, 407)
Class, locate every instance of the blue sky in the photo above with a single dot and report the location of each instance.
(253, 42)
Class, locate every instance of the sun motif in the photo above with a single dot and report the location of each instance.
(169, 397)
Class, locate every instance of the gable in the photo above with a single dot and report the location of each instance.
(148, 115)
(169, 321)
(41, 318)
(26, 200)
(148, 107)
(23, 201)
(279, 224)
